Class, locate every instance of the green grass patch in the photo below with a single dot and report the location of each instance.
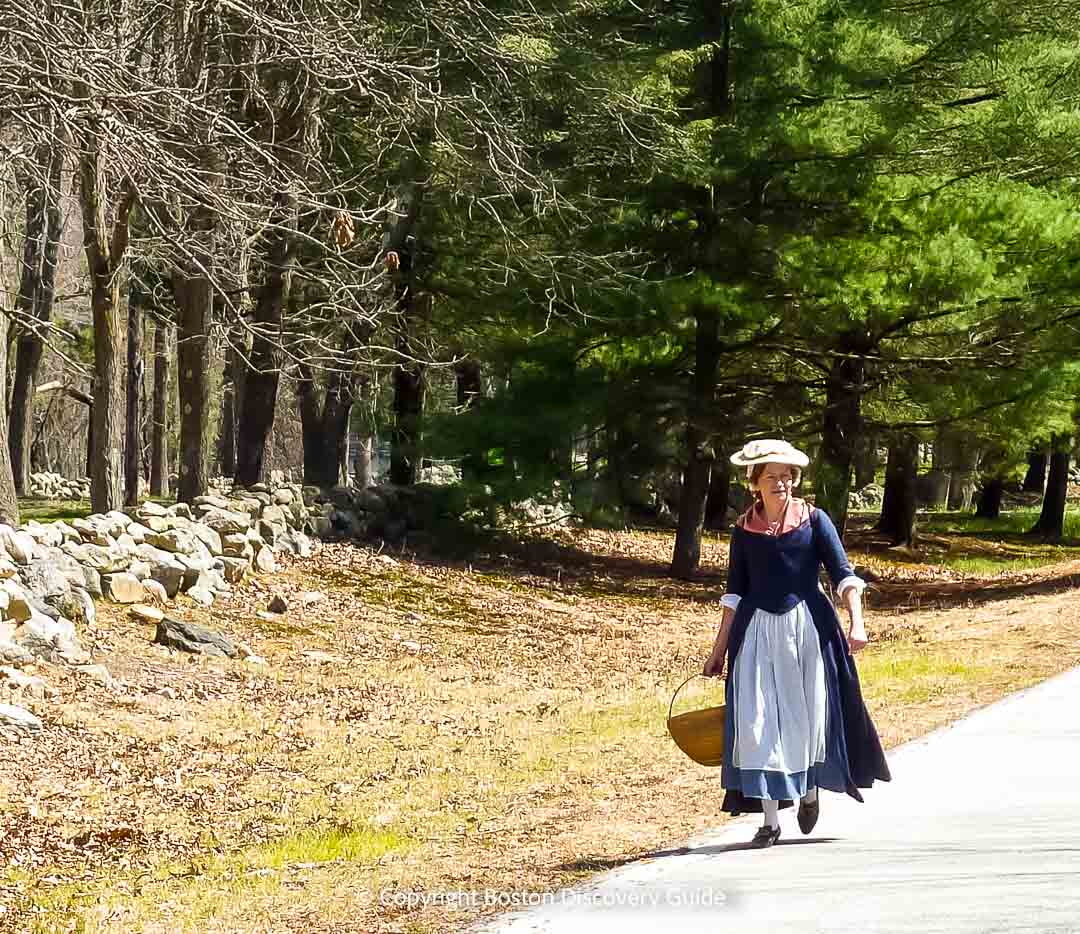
(353, 845)
(52, 510)
(908, 675)
(978, 566)
(1015, 522)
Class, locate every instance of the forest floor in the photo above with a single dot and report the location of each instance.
(437, 727)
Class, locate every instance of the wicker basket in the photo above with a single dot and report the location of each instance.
(699, 733)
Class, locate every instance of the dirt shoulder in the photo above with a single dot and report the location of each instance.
(428, 728)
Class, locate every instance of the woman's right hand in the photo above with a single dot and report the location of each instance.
(714, 665)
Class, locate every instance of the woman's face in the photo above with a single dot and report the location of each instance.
(775, 483)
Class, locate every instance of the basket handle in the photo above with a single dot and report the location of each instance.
(671, 706)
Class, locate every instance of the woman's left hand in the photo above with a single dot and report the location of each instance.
(856, 637)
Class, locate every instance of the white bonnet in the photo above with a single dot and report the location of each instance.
(768, 451)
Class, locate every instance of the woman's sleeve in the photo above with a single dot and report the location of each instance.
(738, 579)
(831, 553)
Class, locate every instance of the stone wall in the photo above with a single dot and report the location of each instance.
(54, 486)
(50, 573)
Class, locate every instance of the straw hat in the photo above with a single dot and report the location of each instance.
(768, 451)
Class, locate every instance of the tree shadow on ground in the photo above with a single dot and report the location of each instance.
(556, 559)
(575, 562)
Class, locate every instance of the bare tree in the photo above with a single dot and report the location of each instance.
(37, 289)
(218, 145)
(159, 452)
(133, 431)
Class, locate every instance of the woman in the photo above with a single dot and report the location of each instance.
(796, 721)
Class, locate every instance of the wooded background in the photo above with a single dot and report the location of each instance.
(579, 249)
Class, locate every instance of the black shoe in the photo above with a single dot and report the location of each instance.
(766, 836)
(808, 814)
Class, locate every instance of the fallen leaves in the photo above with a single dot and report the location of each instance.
(444, 701)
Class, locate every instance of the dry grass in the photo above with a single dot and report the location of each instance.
(495, 727)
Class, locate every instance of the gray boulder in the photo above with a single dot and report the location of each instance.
(122, 587)
(154, 556)
(19, 545)
(19, 606)
(139, 569)
(76, 605)
(138, 532)
(67, 533)
(102, 560)
(150, 510)
(269, 531)
(210, 538)
(250, 505)
(226, 521)
(44, 579)
(236, 569)
(92, 579)
(189, 637)
(28, 684)
(181, 511)
(11, 653)
(264, 561)
(92, 532)
(169, 576)
(50, 639)
(18, 720)
(202, 503)
(155, 590)
(116, 523)
(172, 540)
(48, 536)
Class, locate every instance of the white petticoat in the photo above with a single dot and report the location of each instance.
(779, 694)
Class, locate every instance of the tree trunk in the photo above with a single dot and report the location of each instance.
(89, 440)
(408, 408)
(1051, 524)
(866, 460)
(37, 292)
(964, 457)
(133, 434)
(716, 506)
(325, 429)
(839, 437)
(194, 304)
(232, 388)
(159, 452)
(336, 410)
(105, 249)
(362, 462)
(296, 130)
(989, 506)
(9, 500)
(259, 401)
(106, 487)
(1035, 478)
(468, 383)
(699, 449)
(401, 245)
(899, 504)
(227, 435)
(935, 485)
(470, 389)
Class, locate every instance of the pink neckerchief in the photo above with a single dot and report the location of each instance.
(795, 514)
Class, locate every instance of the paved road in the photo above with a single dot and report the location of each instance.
(979, 831)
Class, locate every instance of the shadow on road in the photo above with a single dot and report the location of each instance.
(599, 864)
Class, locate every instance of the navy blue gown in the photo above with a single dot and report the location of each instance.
(776, 579)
